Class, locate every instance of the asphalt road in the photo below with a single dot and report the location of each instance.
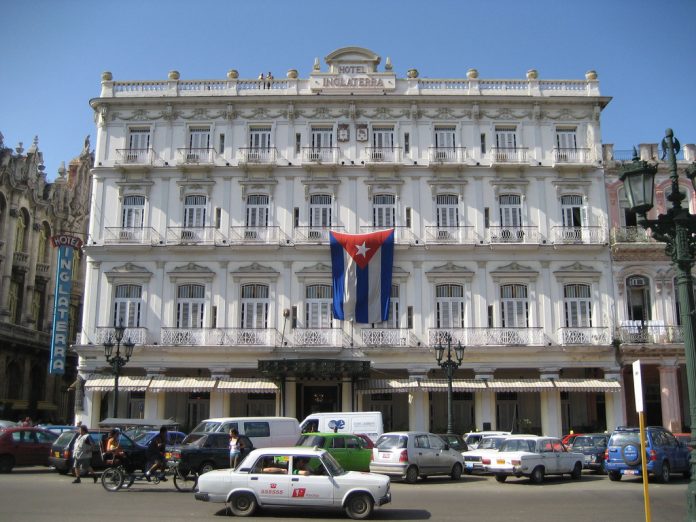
(37, 494)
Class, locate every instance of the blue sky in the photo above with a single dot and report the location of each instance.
(54, 52)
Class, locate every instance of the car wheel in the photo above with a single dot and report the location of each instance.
(411, 475)
(6, 463)
(577, 471)
(614, 476)
(112, 479)
(206, 467)
(359, 506)
(185, 481)
(663, 474)
(631, 454)
(501, 478)
(243, 504)
(537, 475)
(456, 471)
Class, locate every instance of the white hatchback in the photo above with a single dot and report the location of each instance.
(298, 477)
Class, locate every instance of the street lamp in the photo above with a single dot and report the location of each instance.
(676, 228)
(117, 361)
(449, 365)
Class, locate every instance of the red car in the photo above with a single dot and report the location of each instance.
(24, 446)
(567, 440)
(368, 441)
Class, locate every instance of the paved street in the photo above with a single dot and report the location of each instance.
(40, 495)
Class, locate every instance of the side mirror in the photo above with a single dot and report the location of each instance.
(447, 446)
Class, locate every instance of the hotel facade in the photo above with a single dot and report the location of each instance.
(211, 206)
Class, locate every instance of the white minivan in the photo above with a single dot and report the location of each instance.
(263, 431)
(359, 422)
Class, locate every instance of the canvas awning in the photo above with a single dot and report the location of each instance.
(458, 385)
(233, 385)
(385, 386)
(587, 385)
(519, 385)
(125, 383)
(182, 384)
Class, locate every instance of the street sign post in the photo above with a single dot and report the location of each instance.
(638, 392)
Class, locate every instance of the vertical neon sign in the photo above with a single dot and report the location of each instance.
(67, 245)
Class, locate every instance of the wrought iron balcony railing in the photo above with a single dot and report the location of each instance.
(267, 337)
(645, 333)
(131, 236)
(327, 155)
(475, 336)
(194, 236)
(316, 235)
(581, 235)
(451, 235)
(259, 156)
(381, 155)
(633, 234)
(447, 155)
(133, 334)
(509, 155)
(254, 235)
(317, 337)
(600, 335)
(402, 235)
(196, 156)
(134, 156)
(580, 156)
(387, 337)
(525, 235)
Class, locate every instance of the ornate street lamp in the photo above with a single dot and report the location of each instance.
(677, 229)
(117, 361)
(449, 365)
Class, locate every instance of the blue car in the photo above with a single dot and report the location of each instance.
(663, 452)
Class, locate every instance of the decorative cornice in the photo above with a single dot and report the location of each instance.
(516, 270)
(128, 271)
(191, 270)
(255, 270)
(449, 271)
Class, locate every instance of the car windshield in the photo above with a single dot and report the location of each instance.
(143, 437)
(64, 438)
(584, 441)
(621, 438)
(332, 465)
(387, 442)
(207, 426)
(311, 441)
(491, 443)
(194, 439)
(517, 445)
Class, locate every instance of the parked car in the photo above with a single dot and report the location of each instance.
(203, 452)
(593, 446)
(369, 443)
(24, 446)
(61, 457)
(569, 438)
(664, 453)
(274, 477)
(7, 424)
(535, 457)
(350, 451)
(173, 437)
(456, 442)
(413, 454)
(368, 422)
(263, 431)
(685, 438)
(57, 428)
(473, 438)
(479, 459)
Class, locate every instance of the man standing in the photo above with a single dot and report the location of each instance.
(82, 454)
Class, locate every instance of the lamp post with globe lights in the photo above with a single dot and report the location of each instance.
(116, 360)
(449, 365)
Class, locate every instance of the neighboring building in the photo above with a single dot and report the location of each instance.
(31, 211)
(648, 322)
(212, 206)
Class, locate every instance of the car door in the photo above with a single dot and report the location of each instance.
(564, 461)
(359, 454)
(441, 458)
(677, 456)
(22, 447)
(316, 489)
(44, 441)
(217, 447)
(549, 458)
(269, 478)
(340, 453)
(422, 454)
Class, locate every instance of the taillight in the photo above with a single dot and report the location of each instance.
(403, 456)
(485, 461)
(653, 455)
(515, 462)
(606, 454)
(66, 454)
(176, 454)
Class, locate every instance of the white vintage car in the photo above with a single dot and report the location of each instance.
(299, 477)
(535, 457)
(478, 460)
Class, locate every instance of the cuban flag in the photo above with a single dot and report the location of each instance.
(361, 265)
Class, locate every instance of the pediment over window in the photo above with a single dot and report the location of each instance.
(318, 270)
(130, 185)
(255, 184)
(504, 185)
(191, 270)
(320, 185)
(377, 185)
(447, 185)
(128, 271)
(194, 184)
(577, 270)
(515, 270)
(353, 55)
(449, 271)
(572, 186)
(255, 270)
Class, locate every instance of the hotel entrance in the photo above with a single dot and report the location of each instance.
(317, 398)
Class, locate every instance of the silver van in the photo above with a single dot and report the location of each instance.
(263, 431)
(413, 454)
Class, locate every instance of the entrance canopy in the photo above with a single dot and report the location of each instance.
(325, 369)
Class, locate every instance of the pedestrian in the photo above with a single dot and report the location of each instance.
(82, 453)
(263, 83)
(235, 448)
(269, 80)
(27, 422)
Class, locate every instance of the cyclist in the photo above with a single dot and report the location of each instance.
(155, 454)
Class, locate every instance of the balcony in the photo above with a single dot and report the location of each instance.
(320, 155)
(488, 336)
(256, 337)
(402, 235)
(20, 260)
(313, 235)
(514, 235)
(43, 270)
(649, 332)
(381, 155)
(578, 235)
(633, 234)
(136, 335)
(447, 155)
(450, 236)
(317, 338)
(194, 236)
(257, 156)
(595, 336)
(509, 156)
(131, 236)
(571, 156)
(387, 338)
(254, 235)
(134, 157)
(196, 156)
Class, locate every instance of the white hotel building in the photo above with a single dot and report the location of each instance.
(212, 202)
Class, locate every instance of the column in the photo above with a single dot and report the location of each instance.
(290, 397)
(669, 397)
(89, 416)
(418, 408)
(154, 404)
(347, 394)
(615, 403)
(484, 406)
(10, 234)
(551, 419)
(217, 404)
(30, 277)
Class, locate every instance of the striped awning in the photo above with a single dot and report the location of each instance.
(247, 385)
(125, 383)
(385, 386)
(587, 385)
(519, 385)
(440, 385)
(183, 384)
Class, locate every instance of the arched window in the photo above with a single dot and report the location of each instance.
(514, 307)
(127, 305)
(255, 303)
(190, 306)
(638, 298)
(194, 211)
(320, 210)
(318, 306)
(133, 213)
(43, 254)
(257, 210)
(449, 303)
(447, 211)
(577, 305)
(384, 210)
(20, 233)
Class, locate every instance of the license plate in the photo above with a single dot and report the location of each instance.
(500, 461)
(588, 458)
(167, 455)
(630, 472)
(56, 454)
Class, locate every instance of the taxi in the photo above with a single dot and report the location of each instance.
(299, 477)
